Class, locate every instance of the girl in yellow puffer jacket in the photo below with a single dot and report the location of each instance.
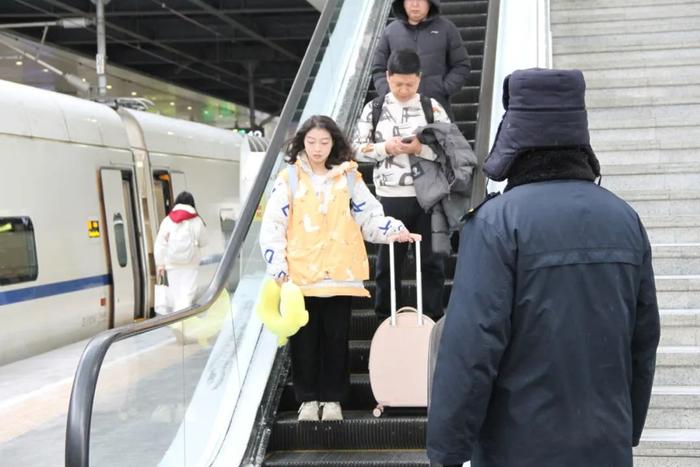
(315, 237)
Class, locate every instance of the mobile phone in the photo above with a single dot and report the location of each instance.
(407, 139)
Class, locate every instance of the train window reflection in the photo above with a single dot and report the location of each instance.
(18, 261)
(120, 239)
(228, 222)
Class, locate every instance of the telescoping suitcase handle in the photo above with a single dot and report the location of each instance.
(419, 282)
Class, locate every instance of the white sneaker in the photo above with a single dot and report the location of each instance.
(331, 411)
(308, 412)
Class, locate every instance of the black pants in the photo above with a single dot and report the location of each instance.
(320, 370)
(408, 211)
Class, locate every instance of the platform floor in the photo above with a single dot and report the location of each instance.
(34, 396)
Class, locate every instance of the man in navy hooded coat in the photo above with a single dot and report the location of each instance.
(444, 61)
(548, 352)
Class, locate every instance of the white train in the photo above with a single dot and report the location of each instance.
(83, 189)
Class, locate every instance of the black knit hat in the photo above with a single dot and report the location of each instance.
(544, 109)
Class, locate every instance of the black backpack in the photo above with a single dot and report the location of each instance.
(378, 103)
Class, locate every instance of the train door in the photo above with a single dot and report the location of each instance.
(121, 237)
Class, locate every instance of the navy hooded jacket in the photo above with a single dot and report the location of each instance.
(443, 58)
(548, 352)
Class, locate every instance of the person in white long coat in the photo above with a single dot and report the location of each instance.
(177, 251)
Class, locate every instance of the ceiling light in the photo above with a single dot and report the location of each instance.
(189, 107)
(109, 86)
(172, 103)
(133, 93)
(45, 70)
(19, 63)
(84, 80)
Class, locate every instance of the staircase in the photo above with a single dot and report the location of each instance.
(641, 60)
(397, 439)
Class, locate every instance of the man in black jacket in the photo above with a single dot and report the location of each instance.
(443, 57)
(548, 352)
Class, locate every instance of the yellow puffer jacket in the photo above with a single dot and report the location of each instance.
(318, 241)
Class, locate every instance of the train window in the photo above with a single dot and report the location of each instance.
(17, 250)
(120, 239)
(228, 222)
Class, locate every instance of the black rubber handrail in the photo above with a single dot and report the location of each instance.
(483, 123)
(77, 450)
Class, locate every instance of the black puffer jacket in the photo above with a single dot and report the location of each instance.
(444, 59)
(548, 352)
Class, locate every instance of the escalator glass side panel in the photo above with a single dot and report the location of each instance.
(171, 395)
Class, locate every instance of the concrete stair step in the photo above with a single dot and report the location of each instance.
(668, 448)
(674, 407)
(677, 292)
(640, 40)
(558, 5)
(676, 259)
(649, 156)
(677, 366)
(672, 56)
(673, 229)
(651, 176)
(680, 327)
(625, 12)
(654, 116)
(632, 139)
(670, 75)
(609, 28)
(642, 96)
(663, 202)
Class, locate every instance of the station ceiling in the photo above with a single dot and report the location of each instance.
(209, 46)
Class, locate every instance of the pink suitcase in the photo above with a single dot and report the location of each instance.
(398, 355)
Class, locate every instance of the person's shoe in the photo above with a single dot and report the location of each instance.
(308, 412)
(331, 411)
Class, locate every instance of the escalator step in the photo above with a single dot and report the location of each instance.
(393, 458)
(468, 94)
(408, 290)
(460, 7)
(360, 398)
(359, 430)
(472, 33)
(409, 269)
(363, 324)
(466, 20)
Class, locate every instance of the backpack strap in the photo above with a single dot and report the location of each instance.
(351, 183)
(427, 105)
(377, 104)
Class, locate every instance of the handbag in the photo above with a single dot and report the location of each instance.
(161, 297)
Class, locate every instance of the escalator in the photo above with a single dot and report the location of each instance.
(207, 386)
(398, 437)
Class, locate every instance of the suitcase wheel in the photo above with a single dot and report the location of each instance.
(378, 411)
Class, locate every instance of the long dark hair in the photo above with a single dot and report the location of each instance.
(185, 197)
(340, 152)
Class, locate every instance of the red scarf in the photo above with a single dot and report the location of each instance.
(178, 216)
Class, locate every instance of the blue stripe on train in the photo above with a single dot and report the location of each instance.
(57, 288)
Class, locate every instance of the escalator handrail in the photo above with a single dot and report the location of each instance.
(482, 138)
(77, 449)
